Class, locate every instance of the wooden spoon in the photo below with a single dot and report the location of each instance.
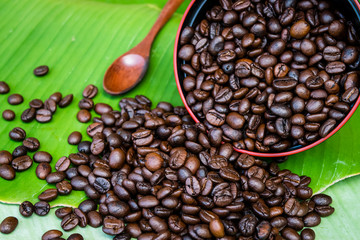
(129, 69)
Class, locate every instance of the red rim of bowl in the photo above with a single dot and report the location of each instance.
(258, 154)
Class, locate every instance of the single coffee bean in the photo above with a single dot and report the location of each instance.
(41, 208)
(32, 144)
(55, 177)
(15, 99)
(62, 164)
(7, 172)
(43, 115)
(51, 234)
(307, 234)
(62, 212)
(90, 91)
(56, 97)
(43, 170)
(75, 138)
(312, 219)
(86, 103)
(28, 115)
(48, 195)
(19, 151)
(75, 236)
(66, 101)
(41, 71)
(22, 163)
(113, 226)
(8, 115)
(50, 105)
(69, 222)
(36, 103)
(4, 87)
(42, 157)
(8, 225)
(64, 187)
(5, 157)
(17, 134)
(83, 116)
(26, 209)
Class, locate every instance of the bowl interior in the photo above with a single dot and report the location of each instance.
(197, 11)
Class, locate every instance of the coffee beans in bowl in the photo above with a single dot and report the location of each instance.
(269, 77)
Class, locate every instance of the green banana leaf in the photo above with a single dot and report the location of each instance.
(78, 40)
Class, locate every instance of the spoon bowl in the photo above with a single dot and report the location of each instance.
(129, 69)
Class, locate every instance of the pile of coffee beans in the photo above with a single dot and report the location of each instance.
(155, 174)
(38, 110)
(87, 104)
(271, 75)
(18, 160)
(43, 112)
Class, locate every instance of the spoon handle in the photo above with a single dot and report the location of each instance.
(164, 16)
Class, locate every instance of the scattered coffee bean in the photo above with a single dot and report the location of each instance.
(8, 115)
(17, 134)
(26, 209)
(7, 172)
(28, 115)
(31, 144)
(90, 91)
(41, 70)
(66, 101)
(83, 116)
(51, 234)
(42, 157)
(41, 208)
(75, 138)
(43, 115)
(8, 225)
(36, 103)
(4, 87)
(5, 157)
(15, 99)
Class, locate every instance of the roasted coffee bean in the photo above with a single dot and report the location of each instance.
(43, 170)
(48, 195)
(83, 116)
(19, 151)
(66, 101)
(55, 177)
(90, 91)
(69, 222)
(50, 105)
(64, 188)
(41, 70)
(8, 115)
(51, 234)
(75, 138)
(75, 236)
(8, 225)
(4, 87)
(17, 134)
(86, 103)
(43, 115)
(15, 99)
(36, 103)
(5, 157)
(113, 226)
(32, 144)
(7, 172)
(26, 209)
(22, 163)
(62, 212)
(42, 157)
(41, 208)
(307, 234)
(28, 115)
